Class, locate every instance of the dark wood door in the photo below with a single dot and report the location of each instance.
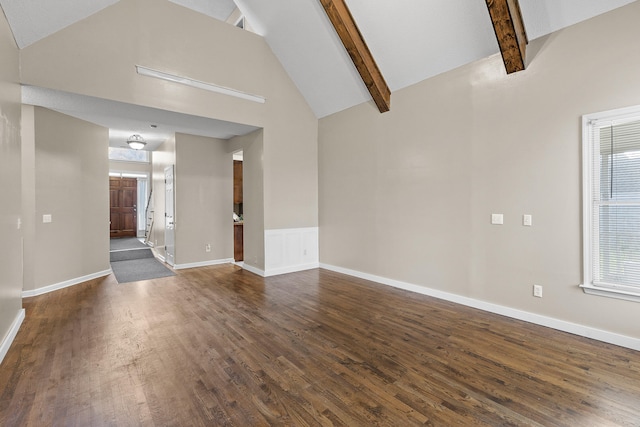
(123, 199)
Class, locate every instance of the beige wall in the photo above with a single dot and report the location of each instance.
(252, 196)
(204, 199)
(133, 167)
(290, 156)
(164, 36)
(28, 138)
(10, 172)
(408, 194)
(70, 170)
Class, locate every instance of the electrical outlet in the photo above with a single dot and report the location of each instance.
(207, 247)
(537, 291)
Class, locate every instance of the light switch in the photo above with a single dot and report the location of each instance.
(527, 220)
(46, 218)
(497, 219)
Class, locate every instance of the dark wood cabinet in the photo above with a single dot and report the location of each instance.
(238, 249)
(237, 182)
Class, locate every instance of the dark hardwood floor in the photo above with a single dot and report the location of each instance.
(221, 346)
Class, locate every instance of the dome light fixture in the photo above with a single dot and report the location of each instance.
(136, 142)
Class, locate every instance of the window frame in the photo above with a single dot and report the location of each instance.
(619, 291)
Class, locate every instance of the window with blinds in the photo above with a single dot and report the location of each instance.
(611, 169)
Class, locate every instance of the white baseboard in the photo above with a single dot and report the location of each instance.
(65, 284)
(550, 322)
(11, 335)
(275, 272)
(290, 269)
(253, 269)
(202, 263)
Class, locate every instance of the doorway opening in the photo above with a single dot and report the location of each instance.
(169, 213)
(238, 212)
(128, 199)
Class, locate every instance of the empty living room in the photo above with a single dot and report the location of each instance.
(320, 212)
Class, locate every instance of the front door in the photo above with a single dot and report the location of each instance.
(169, 222)
(123, 196)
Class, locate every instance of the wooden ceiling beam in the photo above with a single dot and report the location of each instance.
(357, 48)
(510, 32)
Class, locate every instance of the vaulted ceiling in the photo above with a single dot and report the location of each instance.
(410, 40)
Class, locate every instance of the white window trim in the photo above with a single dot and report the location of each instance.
(628, 293)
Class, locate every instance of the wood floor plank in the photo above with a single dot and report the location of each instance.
(220, 346)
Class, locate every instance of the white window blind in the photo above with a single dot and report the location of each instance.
(612, 205)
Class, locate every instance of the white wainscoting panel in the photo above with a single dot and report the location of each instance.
(291, 249)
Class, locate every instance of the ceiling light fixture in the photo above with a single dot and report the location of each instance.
(136, 142)
(144, 71)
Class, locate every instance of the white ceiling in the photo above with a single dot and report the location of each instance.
(33, 20)
(411, 40)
